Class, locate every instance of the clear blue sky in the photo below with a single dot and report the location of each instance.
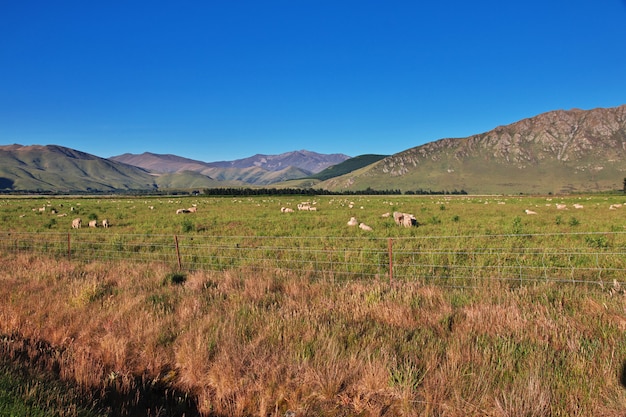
(223, 80)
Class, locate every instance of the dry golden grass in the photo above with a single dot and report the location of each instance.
(249, 343)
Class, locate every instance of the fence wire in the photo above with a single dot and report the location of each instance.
(450, 260)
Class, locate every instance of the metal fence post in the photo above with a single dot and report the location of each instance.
(178, 252)
(390, 249)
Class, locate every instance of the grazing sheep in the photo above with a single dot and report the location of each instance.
(409, 220)
(530, 211)
(404, 219)
(365, 227)
(353, 221)
(105, 223)
(578, 206)
(561, 206)
(93, 223)
(384, 215)
(180, 211)
(192, 209)
(76, 223)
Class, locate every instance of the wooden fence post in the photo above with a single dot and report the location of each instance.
(178, 252)
(390, 248)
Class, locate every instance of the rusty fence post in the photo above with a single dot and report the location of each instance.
(390, 249)
(177, 252)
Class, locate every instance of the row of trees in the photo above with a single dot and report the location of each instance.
(312, 191)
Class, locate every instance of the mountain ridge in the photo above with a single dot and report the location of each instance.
(561, 151)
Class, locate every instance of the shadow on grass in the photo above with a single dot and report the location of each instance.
(31, 363)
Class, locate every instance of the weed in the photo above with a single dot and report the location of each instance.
(187, 226)
(599, 242)
(434, 220)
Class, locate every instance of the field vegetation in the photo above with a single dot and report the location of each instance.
(153, 339)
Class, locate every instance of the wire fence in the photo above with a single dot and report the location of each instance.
(450, 260)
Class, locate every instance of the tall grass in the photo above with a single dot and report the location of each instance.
(244, 343)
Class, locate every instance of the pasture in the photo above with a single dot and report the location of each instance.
(491, 311)
(262, 216)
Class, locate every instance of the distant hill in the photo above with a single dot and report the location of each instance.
(39, 168)
(161, 162)
(554, 152)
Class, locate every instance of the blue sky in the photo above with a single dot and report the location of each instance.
(223, 80)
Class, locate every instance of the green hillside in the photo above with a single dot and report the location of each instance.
(54, 168)
(347, 166)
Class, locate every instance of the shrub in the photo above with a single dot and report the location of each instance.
(174, 278)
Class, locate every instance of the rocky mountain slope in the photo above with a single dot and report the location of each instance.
(555, 152)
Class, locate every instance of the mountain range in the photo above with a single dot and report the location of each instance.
(555, 152)
(255, 170)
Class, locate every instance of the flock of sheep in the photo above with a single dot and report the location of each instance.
(401, 219)
(77, 223)
(560, 206)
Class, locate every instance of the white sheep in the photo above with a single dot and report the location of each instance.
(365, 227)
(93, 223)
(530, 211)
(76, 223)
(105, 223)
(404, 219)
(353, 221)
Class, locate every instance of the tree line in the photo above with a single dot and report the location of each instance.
(243, 191)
